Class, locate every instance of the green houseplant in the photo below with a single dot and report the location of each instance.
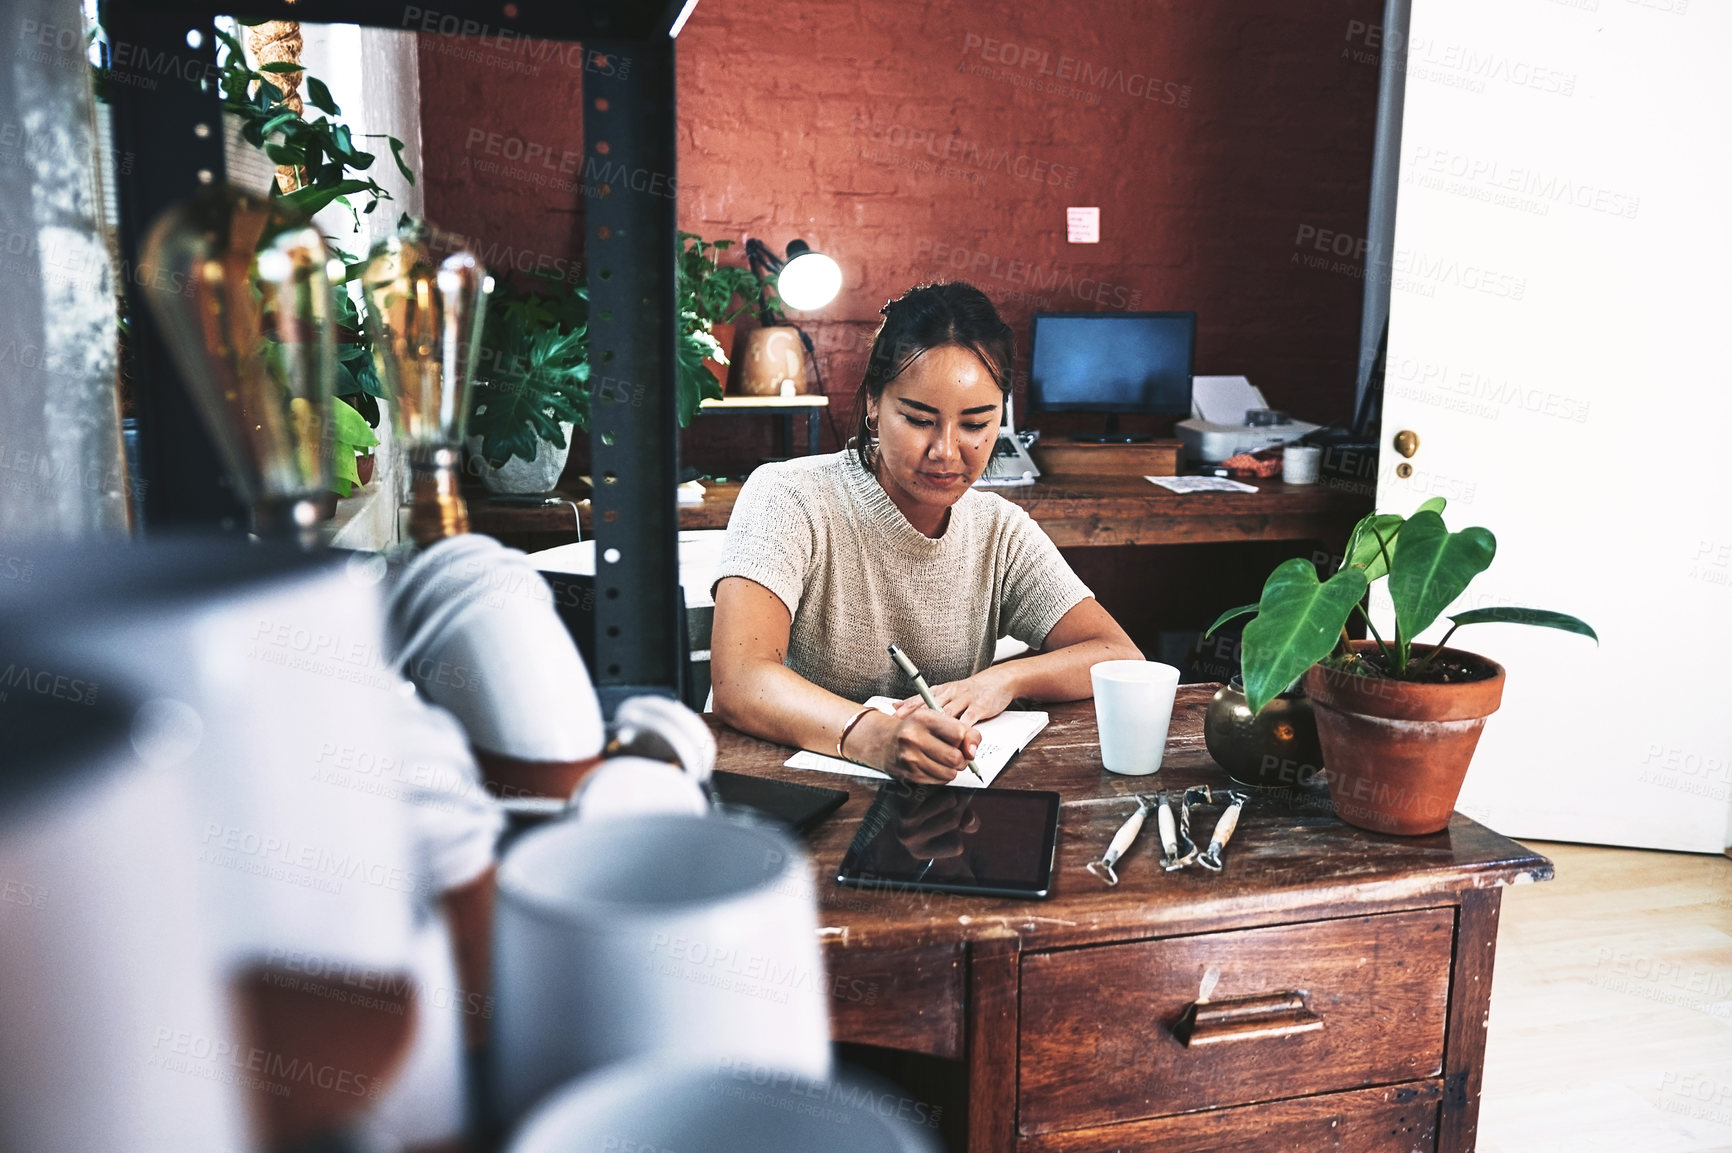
(534, 380)
(329, 169)
(707, 291)
(1398, 721)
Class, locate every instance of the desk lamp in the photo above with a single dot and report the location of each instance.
(239, 287)
(805, 280)
(424, 319)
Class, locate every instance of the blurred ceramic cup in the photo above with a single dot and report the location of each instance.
(114, 1026)
(332, 809)
(1301, 463)
(665, 936)
(472, 625)
(1133, 709)
(728, 1107)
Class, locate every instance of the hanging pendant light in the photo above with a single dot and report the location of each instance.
(239, 287)
(424, 318)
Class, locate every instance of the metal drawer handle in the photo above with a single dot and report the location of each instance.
(1245, 1019)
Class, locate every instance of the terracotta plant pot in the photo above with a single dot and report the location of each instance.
(772, 362)
(1397, 752)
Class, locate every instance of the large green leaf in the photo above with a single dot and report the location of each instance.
(1542, 618)
(1227, 616)
(1433, 567)
(1298, 621)
(1371, 544)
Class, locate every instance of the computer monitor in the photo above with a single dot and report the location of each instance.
(1112, 363)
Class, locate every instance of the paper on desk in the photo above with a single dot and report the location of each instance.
(1224, 399)
(1201, 484)
(1001, 738)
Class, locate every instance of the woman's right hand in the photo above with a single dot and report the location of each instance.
(922, 747)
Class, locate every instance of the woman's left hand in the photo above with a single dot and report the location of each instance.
(978, 698)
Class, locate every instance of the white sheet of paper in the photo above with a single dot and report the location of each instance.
(1002, 738)
(1201, 484)
(1224, 399)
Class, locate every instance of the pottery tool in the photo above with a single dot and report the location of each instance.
(1121, 841)
(1223, 833)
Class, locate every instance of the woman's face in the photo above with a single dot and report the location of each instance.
(937, 424)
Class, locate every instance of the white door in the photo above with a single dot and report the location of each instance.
(1559, 340)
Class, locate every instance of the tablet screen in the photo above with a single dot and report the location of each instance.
(996, 842)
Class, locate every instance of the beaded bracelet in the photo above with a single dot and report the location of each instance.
(849, 727)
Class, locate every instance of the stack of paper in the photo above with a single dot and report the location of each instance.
(1002, 738)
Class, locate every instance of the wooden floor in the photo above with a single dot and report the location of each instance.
(1611, 1012)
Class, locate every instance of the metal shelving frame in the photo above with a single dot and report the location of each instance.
(175, 128)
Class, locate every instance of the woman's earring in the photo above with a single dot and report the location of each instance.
(872, 425)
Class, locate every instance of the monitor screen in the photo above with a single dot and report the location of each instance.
(1112, 362)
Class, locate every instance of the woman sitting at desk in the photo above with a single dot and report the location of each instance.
(829, 559)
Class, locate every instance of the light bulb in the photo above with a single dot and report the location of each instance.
(809, 280)
(424, 319)
(240, 289)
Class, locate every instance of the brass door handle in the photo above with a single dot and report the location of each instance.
(1407, 442)
(1245, 1019)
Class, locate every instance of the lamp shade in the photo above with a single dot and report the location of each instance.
(809, 279)
(239, 288)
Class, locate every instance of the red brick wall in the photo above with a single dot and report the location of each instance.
(918, 140)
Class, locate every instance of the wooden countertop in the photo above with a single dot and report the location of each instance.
(1076, 511)
(1290, 856)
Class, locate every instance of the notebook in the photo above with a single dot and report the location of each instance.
(1002, 738)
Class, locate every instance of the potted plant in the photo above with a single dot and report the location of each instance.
(532, 385)
(1398, 721)
(707, 291)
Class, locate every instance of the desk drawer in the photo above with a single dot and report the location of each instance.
(1401, 1119)
(1297, 1010)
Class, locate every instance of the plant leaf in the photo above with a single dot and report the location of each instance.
(281, 66)
(1229, 615)
(397, 155)
(1434, 504)
(349, 427)
(1541, 618)
(311, 199)
(320, 96)
(1363, 548)
(1433, 567)
(1298, 622)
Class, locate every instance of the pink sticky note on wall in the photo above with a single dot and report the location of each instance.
(1083, 225)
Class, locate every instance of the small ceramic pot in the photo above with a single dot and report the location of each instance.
(524, 476)
(1274, 749)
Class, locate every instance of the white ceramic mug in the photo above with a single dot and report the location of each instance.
(723, 1107)
(665, 936)
(1301, 463)
(1133, 707)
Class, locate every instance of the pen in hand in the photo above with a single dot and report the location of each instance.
(913, 674)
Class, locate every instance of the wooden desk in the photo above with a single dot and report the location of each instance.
(1074, 511)
(1063, 1009)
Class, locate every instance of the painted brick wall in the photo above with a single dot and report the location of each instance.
(1224, 144)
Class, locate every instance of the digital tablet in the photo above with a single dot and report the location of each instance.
(994, 842)
(800, 807)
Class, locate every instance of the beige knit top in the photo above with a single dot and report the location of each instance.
(822, 534)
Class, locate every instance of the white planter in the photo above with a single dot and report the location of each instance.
(524, 476)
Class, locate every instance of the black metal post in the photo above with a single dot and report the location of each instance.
(168, 114)
(629, 187)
